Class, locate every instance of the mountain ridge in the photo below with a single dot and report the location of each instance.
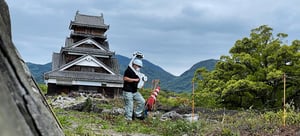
(168, 81)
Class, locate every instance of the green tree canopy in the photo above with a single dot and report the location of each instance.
(252, 75)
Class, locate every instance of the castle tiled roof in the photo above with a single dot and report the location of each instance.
(88, 51)
(84, 76)
(101, 50)
(88, 21)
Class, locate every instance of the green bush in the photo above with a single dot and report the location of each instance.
(180, 127)
(43, 88)
(227, 132)
(273, 117)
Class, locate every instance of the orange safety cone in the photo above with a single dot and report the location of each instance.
(149, 106)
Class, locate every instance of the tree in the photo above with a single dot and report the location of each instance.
(251, 76)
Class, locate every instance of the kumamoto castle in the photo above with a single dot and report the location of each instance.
(85, 63)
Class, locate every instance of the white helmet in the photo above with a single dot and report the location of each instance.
(138, 62)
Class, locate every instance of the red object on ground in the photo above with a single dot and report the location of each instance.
(152, 99)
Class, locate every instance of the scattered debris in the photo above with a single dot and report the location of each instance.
(173, 115)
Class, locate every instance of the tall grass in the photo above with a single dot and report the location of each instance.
(247, 122)
(244, 122)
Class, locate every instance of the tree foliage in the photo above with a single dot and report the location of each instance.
(252, 75)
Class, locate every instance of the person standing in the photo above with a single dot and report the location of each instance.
(131, 94)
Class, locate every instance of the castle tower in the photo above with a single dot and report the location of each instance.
(85, 63)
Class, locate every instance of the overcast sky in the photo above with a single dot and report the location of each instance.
(174, 34)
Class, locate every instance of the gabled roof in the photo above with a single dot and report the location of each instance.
(88, 21)
(87, 60)
(73, 48)
(88, 41)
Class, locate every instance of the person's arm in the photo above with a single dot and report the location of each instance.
(127, 79)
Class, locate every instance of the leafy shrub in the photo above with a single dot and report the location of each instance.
(43, 88)
(180, 127)
(227, 132)
(87, 107)
(273, 117)
(64, 121)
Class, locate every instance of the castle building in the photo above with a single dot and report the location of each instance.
(85, 63)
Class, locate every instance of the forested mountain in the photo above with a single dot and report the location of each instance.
(168, 81)
(38, 70)
(183, 83)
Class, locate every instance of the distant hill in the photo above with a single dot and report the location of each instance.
(38, 70)
(183, 83)
(168, 81)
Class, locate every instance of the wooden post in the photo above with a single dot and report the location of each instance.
(193, 101)
(284, 109)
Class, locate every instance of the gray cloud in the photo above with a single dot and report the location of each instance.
(172, 34)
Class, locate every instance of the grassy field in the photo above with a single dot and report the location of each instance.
(211, 122)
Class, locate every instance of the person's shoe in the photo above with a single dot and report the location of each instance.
(128, 119)
(140, 118)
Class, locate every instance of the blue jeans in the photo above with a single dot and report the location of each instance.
(129, 98)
